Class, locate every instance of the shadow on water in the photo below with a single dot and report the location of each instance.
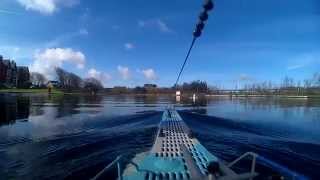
(21, 107)
(13, 108)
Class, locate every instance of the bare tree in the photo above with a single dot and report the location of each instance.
(316, 79)
(75, 81)
(196, 86)
(62, 77)
(93, 85)
(68, 80)
(307, 83)
(287, 82)
(38, 79)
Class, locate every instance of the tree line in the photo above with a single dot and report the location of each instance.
(197, 86)
(67, 81)
(288, 85)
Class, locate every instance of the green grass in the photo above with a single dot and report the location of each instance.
(280, 96)
(54, 91)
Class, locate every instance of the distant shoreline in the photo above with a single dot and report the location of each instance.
(38, 91)
(62, 92)
(266, 96)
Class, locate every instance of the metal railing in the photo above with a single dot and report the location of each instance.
(252, 173)
(273, 165)
(253, 162)
(107, 168)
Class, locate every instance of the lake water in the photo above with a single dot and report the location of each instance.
(73, 137)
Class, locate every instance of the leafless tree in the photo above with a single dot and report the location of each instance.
(75, 82)
(307, 83)
(316, 79)
(38, 79)
(287, 82)
(68, 80)
(93, 85)
(62, 77)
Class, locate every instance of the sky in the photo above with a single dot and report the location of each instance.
(132, 42)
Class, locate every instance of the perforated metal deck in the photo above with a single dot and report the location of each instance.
(176, 154)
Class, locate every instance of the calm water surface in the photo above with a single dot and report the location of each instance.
(73, 137)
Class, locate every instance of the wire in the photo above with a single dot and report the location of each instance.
(185, 61)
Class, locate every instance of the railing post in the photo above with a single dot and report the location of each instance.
(119, 171)
(253, 164)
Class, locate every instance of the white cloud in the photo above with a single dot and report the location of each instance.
(46, 6)
(129, 46)
(149, 74)
(46, 61)
(101, 76)
(163, 26)
(124, 72)
(157, 23)
(294, 67)
(245, 77)
(43, 6)
(4, 11)
(67, 3)
(83, 31)
(67, 37)
(303, 61)
(10, 49)
(14, 52)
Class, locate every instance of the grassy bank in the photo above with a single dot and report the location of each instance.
(278, 96)
(79, 92)
(41, 91)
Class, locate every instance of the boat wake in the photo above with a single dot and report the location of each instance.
(229, 139)
(78, 155)
(81, 154)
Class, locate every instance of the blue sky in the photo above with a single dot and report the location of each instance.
(135, 42)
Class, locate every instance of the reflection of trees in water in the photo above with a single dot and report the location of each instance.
(36, 110)
(119, 99)
(199, 104)
(70, 104)
(92, 99)
(135, 99)
(283, 102)
(147, 99)
(201, 101)
(286, 106)
(13, 108)
(269, 103)
(67, 105)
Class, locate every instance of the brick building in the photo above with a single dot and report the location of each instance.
(23, 77)
(11, 75)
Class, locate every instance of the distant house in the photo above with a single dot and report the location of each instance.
(107, 90)
(3, 71)
(53, 84)
(119, 89)
(150, 88)
(10, 74)
(23, 77)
